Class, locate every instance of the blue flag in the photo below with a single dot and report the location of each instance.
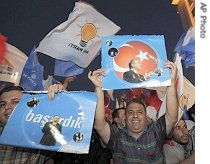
(67, 68)
(32, 75)
(178, 47)
(189, 61)
(185, 114)
(185, 47)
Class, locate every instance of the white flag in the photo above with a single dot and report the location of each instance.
(189, 94)
(78, 38)
(12, 65)
(185, 91)
(179, 87)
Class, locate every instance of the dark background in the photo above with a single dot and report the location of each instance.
(26, 22)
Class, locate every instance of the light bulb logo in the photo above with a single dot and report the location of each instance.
(88, 32)
(183, 101)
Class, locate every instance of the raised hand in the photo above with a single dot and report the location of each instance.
(55, 88)
(96, 77)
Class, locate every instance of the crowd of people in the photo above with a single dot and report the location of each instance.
(131, 137)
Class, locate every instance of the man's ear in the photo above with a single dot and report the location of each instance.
(132, 65)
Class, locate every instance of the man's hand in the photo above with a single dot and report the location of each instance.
(148, 74)
(68, 80)
(174, 71)
(96, 77)
(55, 88)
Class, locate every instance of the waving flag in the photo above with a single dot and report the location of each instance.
(179, 86)
(3, 48)
(32, 75)
(78, 38)
(185, 114)
(186, 47)
(67, 68)
(189, 91)
(12, 65)
(185, 92)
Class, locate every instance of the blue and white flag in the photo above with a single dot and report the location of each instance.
(32, 75)
(179, 87)
(185, 47)
(67, 68)
(78, 38)
(185, 91)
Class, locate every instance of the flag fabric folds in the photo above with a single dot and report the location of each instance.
(189, 92)
(78, 38)
(179, 86)
(12, 65)
(185, 114)
(32, 75)
(67, 68)
(185, 47)
(185, 91)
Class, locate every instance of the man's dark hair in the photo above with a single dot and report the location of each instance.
(11, 88)
(130, 63)
(115, 114)
(138, 101)
(170, 135)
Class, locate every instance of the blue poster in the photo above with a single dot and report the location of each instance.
(63, 124)
(134, 62)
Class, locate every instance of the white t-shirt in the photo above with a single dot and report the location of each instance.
(174, 152)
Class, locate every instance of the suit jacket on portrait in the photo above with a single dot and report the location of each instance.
(132, 77)
(48, 137)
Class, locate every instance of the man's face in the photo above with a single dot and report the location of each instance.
(56, 119)
(180, 133)
(8, 101)
(136, 119)
(136, 64)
